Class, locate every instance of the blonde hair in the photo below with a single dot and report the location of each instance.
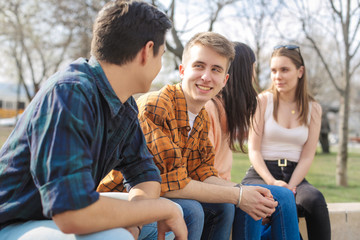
(215, 41)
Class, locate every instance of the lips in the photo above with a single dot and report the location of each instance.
(204, 88)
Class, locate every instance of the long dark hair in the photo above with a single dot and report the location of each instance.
(239, 97)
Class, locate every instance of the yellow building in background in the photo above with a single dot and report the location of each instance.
(10, 105)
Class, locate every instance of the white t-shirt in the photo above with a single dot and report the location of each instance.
(192, 117)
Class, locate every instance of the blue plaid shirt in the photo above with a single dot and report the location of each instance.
(70, 136)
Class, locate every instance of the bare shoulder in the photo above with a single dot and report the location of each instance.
(210, 106)
(263, 96)
(215, 111)
(316, 110)
(262, 100)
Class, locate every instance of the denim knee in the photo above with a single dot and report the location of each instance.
(284, 197)
(220, 211)
(226, 211)
(192, 210)
(219, 219)
(193, 216)
(281, 192)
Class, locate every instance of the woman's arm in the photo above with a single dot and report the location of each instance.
(309, 149)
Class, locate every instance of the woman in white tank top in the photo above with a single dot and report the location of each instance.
(230, 114)
(284, 136)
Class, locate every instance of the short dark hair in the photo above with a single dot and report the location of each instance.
(123, 27)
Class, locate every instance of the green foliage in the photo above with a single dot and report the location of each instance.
(321, 175)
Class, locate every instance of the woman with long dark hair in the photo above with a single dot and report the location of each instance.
(236, 106)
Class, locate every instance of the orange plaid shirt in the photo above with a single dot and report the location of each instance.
(164, 120)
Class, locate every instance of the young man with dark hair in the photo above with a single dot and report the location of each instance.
(175, 125)
(81, 124)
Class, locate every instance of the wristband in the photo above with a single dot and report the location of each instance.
(240, 196)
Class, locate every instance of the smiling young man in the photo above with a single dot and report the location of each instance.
(175, 125)
(81, 124)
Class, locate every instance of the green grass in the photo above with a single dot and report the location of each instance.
(321, 175)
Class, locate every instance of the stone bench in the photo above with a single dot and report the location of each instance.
(344, 219)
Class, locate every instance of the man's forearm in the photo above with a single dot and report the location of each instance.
(108, 213)
(145, 190)
(206, 192)
(219, 181)
(256, 201)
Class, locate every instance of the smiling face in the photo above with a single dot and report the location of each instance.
(284, 74)
(203, 74)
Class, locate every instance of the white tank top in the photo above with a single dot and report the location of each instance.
(279, 142)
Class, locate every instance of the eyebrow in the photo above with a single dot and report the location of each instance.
(201, 62)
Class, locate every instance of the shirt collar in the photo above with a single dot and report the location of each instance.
(105, 87)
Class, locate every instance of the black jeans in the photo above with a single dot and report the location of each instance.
(309, 201)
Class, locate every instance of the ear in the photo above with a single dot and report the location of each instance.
(147, 51)
(181, 71)
(226, 79)
(301, 72)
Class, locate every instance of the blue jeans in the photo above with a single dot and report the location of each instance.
(47, 229)
(193, 216)
(310, 202)
(219, 218)
(207, 220)
(283, 222)
(149, 232)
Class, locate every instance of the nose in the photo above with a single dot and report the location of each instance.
(276, 75)
(206, 75)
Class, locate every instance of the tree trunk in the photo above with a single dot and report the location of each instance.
(324, 131)
(341, 159)
(324, 141)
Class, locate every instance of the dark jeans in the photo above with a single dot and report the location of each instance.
(207, 221)
(219, 218)
(310, 201)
